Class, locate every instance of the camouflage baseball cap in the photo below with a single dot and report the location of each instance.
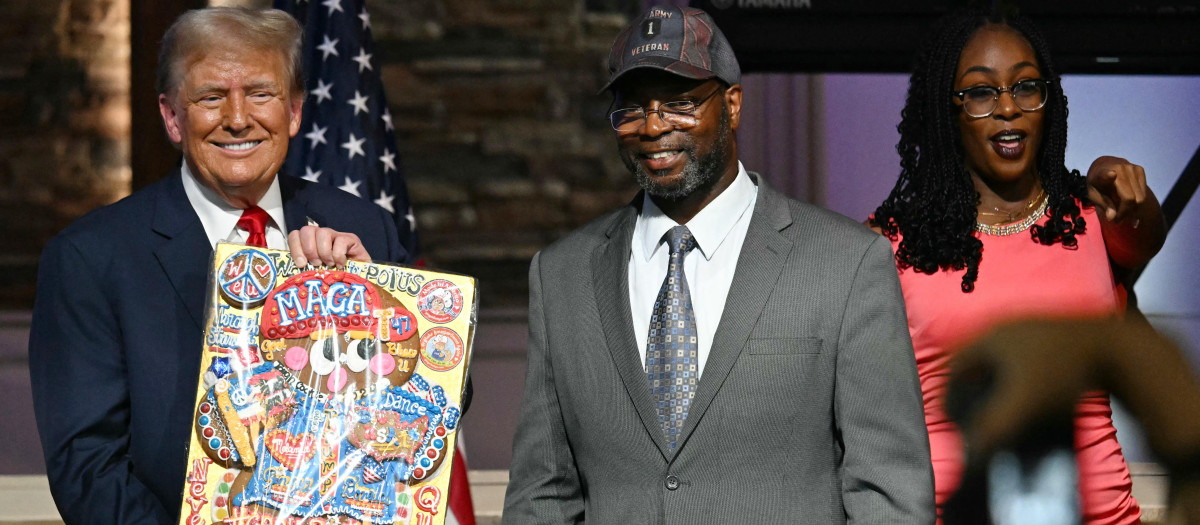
(679, 40)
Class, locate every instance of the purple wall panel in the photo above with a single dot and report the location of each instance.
(1150, 120)
(859, 116)
(777, 137)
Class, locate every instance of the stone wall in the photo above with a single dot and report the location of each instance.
(502, 138)
(505, 147)
(64, 124)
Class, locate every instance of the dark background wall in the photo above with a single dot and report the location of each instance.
(501, 137)
(64, 124)
(505, 148)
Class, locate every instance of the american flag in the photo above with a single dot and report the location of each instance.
(347, 138)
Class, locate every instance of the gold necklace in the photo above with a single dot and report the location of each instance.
(1011, 216)
(1016, 227)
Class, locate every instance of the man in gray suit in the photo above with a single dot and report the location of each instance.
(714, 352)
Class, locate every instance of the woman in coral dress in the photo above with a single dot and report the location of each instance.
(988, 225)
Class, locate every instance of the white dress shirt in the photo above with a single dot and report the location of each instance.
(220, 219)
(719, 229)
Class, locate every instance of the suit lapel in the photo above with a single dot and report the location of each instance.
(295, 204)
(185, 248)
(763, 255)
(610, 280)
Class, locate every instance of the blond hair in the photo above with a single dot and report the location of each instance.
(201, 30)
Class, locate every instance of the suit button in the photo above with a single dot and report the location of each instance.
(672, 482)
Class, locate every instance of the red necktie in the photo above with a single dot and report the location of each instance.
(254, 220)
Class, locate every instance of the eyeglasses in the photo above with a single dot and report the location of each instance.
(981, 101)
(681, 114)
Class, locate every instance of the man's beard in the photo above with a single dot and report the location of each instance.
(697, 173)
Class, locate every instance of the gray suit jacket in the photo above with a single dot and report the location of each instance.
(808, 411)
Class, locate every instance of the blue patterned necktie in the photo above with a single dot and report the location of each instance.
(671, 348)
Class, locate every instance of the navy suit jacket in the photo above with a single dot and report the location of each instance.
(116, 341)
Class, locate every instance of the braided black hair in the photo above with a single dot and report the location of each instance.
(933, 204)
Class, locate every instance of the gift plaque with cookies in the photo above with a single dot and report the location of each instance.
(327, 396)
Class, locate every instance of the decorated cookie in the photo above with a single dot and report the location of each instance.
(327, 417)
(440, 301)
(245, 278)
(441, 349)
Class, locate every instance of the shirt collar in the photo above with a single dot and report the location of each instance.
(218, 217)
(709, 227)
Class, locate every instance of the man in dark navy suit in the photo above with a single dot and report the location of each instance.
(116, 339)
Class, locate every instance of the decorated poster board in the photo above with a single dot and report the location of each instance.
(327, 396)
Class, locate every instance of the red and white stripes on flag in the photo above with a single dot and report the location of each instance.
(459, 510)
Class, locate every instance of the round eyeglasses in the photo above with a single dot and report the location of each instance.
(680, 114)
(981, 101)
